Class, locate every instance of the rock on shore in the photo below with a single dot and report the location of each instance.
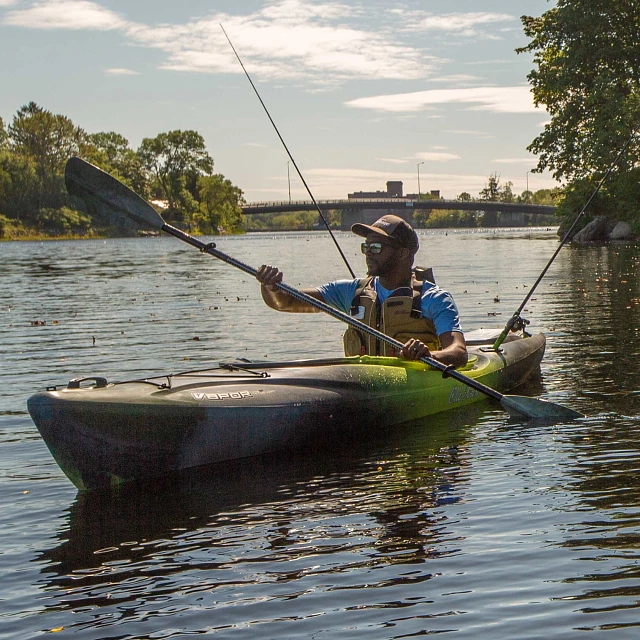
(600, 229)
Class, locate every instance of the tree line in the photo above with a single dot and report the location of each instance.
(493, 191)
(174, 169)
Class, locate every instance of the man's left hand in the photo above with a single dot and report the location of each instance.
(414, 350)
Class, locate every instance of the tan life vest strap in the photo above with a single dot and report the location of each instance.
(420, 275)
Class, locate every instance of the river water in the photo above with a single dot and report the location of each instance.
(471, 523)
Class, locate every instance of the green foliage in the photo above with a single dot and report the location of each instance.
(5, 223)
(448, 218)
(506, 193)
(491, 191)
(619, 199)
(174, 166)
(294, 221)
(37, 145)
(623, 194)
(4, 136)
(549, 197)
(464, 197)
(63, 221)
(20, 193)
(220, 205)
(48, 140)
(176, 159)
(495, 192)
(110, 151)
(587, 55)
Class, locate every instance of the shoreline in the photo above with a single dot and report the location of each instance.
(45, 237)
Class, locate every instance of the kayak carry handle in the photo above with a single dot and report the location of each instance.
(100, 383)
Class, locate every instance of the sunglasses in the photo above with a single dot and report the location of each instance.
(373, 247)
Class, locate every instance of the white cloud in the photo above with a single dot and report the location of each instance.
(425, 156)
(532, 161)
(7, 3)
(437, 156)
(394, 160)
(65, 14)
(498, 99)
(285, 39)
(118, 71)
(458, 24)
(467, 132)
(302, 46)
(461, 78)
(489, 62)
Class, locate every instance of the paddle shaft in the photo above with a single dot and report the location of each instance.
(335, 313)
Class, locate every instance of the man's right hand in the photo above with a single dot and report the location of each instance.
(269, 276)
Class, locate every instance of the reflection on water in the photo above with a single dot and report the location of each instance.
(469, 523)
(276, 528)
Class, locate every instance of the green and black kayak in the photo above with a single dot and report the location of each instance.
(103, 433)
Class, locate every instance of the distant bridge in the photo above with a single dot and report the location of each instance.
(368, 210)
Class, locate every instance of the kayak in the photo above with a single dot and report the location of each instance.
(104, 433)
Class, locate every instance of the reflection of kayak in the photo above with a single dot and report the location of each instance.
(102, 433)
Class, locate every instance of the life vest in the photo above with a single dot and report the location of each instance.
(398, 317)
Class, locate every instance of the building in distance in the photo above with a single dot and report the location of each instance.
(394, 190)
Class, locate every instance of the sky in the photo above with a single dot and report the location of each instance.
(361, 92)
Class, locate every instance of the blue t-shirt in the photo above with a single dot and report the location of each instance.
(437, 304)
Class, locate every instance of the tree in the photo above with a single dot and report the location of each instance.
(464, 197)
(506, 193)
(48, 140)
(113, 146)
(111, 152)
(220, 204)
(587, 57)
(546, 196)
(447, 218)
(491, 191)
(19, 186)
(4, 136)
(176, 159)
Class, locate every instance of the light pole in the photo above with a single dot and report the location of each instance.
(528, 181)
(418, 167)
(289, 181)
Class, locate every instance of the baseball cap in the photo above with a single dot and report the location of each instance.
(392, 227)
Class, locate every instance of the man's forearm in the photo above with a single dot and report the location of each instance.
(282, 301)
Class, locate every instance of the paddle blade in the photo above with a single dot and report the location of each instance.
(109, 198)
(537, 409)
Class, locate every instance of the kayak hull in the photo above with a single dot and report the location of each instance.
(106, 433)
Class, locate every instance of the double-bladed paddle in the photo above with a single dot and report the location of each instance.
(113, 200)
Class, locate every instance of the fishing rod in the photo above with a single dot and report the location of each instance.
(516, 322)
(304, 182)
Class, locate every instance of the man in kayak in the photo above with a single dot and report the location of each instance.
(417, 313)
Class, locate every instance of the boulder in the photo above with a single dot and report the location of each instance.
(595, 231)
(622, 231)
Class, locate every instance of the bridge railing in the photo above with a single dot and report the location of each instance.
(280, 203)
(441, 203)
